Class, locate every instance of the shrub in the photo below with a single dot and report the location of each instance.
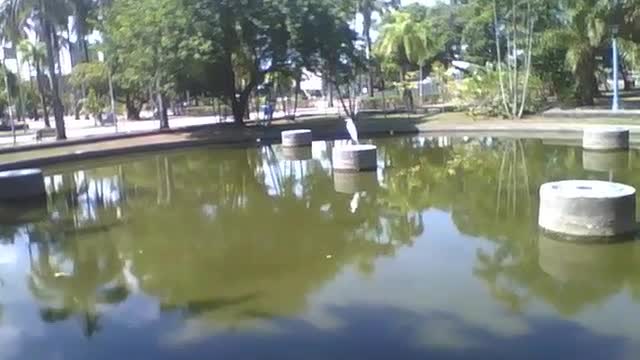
(482, 95)
(93, 104)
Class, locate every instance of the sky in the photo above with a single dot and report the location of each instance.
(424, 2)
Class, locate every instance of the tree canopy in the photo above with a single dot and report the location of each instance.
(159, 52)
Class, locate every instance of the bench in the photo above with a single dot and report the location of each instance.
(45, 133)
(110, 119)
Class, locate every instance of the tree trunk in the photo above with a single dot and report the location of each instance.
(162, 111)
(384, 100)
(420, 87)
(366, 31)
(585, 79)
(82, 38)
(257, 100)
(406, 93)
(36, 115)
(348, 108)
(240, 104)
(85, 46)
(238, 108)
(164, 115)
(297, 94)
(330, 103)
(408, 96)
(43, 95)
(76, 106)
(627, 78)
(247, 110)
(133, 111)
(284, 104)
(58, 110)
(56, 51)
(20, 109)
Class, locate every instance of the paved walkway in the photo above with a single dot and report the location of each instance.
(78, 129)
(323, 128)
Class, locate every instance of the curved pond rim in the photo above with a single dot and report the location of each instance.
(562, 136)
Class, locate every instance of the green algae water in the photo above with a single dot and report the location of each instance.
(265, 253)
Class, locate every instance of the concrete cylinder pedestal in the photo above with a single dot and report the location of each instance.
(293, 138)
(355, 182)
(355, 158)
(297, 153)
(27, 184)
(605, 139)
(605, 161)
(587, 210)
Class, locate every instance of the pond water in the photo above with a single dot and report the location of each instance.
(252, 254)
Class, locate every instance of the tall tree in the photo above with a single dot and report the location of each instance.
(148, 41)
(517, 26)
(81, 12)
(10, 33)
(44, 16)
(249, 39)
(583, 33)
(407, 41)
(367, 9)
(34, 53)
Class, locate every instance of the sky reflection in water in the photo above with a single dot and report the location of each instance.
(251, 254)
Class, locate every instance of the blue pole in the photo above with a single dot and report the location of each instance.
(616, 97)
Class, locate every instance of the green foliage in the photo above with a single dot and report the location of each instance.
(439, 73)
(146, 41)
(30, 97)
(94, 104)
(93, 75)
(244, 41)
(3, 102)
(477, 31)
(405, 38)
(227, 49)
(481, 93)
(630, 53)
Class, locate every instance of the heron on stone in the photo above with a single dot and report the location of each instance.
(352, 130)
(351, 126)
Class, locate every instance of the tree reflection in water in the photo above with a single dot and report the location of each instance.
(76, 269)
(230, 236)
(490, 187)
(234, 237)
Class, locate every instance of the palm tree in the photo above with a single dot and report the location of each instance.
(45, 14)
(34, 54)
(402, 34)
(10, 33)
(406, 40)
(95, 280)
(583, 33)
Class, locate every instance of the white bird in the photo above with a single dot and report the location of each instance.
(355, 203)
(351, 126)
(352, 130)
